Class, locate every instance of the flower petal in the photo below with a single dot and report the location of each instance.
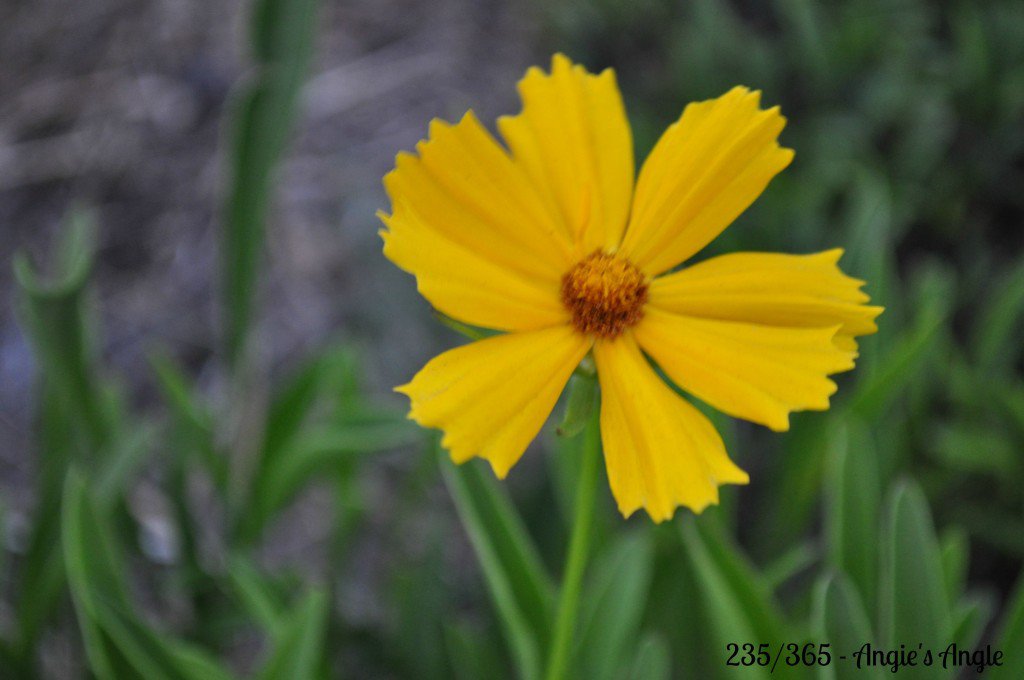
(472, 228)
(706, 169)
(491, 397)
(760, 373)
(772, 289)
(659, 450)
(573, 139)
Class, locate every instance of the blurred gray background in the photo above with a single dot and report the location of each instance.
(117, 105)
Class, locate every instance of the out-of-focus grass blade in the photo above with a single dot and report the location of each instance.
(996, 341)
(53, 314)
(975, 448)
(421, 599)
(900, 366)
(653, 659)
(299, 646)
(291, 407)
(257, 596)
(789, 564)
(126, 454)
(148, 654)
(915, 607)
(802, 21)
(321, 449)
(472, 654)
(293, 450)
(997, 527)
(613, 605)
(193, 418)
(282, 41)
(117, 645)
(738, 605)
(955, 553)
(1011, 637)
(93, 572)
(1010, 400)
(520, 588)
(285, 417)
(869, 225)
(800, 470)
(10, 660)
(841, 621)
(969, 619)
(42, 569)
(852, 507)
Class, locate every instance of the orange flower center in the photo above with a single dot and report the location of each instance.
(605, 294)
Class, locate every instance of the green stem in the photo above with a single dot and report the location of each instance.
(572, 579)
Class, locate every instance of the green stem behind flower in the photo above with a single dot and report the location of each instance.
(579, 548)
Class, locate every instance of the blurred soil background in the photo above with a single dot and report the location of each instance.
(118, 104)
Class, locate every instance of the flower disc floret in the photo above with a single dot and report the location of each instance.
(605, 295)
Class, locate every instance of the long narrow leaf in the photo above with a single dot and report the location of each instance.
(282, 38)
(737, 603)
(842, 621)
(915, 606)
(854, 497)
(1011, 637)
(299, 648)
(613, 605)
(521, 590)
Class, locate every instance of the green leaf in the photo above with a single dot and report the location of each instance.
(257, 596)
(969, 618)
(521, 590)
(1010, 638)
(653, 659)
(852, 507)
(149, 654)
(282, 40)
(41, 572)
(955, 554)
(789, 564)
(842, 622)
(869, 232)
(289, 409)
(976, 448)
(117, 644)
(915, 606)
(299, 646)
(472, 654)
(613, 606)
(736, 600)
(92, 559)
(421, 599)
(314, 453)
(193, 419)
(996, 341)
(900, 366)
(126, 455)
(53, 313)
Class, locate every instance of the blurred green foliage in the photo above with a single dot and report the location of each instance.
(895, 518)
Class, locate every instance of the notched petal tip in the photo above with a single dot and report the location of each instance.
(500, 470)
(436, 128)
(560, 61)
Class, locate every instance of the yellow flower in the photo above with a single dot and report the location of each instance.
(552, 242)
